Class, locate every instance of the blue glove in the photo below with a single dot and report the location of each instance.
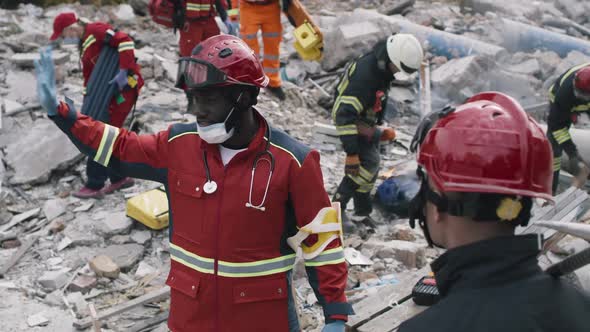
(335, 326)
(45, 72)
(120, 79)
(231, 28)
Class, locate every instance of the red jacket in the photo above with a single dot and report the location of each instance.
(199, 9)
(230, 264)
(92, 41)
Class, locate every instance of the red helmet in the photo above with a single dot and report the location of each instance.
(582, 80)
(220, 61)
(488, 145)
(61, 22)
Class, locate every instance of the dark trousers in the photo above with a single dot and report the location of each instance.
(359, 187)
(557, 152)
(98, 174)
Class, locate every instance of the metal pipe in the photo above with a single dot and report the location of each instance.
(444, 43)
(524, 37)
(576, 229)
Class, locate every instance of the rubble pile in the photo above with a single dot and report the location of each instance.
(72, 253)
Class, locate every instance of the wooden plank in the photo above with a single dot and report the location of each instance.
(367, 308)
(149, 322)
(18, 254)
(392, 319)
(155, 296)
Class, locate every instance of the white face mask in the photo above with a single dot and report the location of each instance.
(71, 41)
(216, 133)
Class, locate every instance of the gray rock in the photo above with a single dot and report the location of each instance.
(20, 83)
(54, 208)
(573, 58)
(140, 7)
(143, 270)
(116, 223)
(104, 266)
(124, 12)
(44, 141)
(412, 255)
(80, 305)
(353, 35)
(9, 106)
(124, 255)
(53, 280)
(120, 239)
(82, 232)
(141, 237)
(529, 67)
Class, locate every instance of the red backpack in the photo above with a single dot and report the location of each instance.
(167, 12)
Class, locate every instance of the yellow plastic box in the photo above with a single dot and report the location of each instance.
(149, 208)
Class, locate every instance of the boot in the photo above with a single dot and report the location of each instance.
(86, 192)
(277, 92)
(123, 183)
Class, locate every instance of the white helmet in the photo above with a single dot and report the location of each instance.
(405, 51)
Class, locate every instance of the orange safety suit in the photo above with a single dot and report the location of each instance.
(265, 16)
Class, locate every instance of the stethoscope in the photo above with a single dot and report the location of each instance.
(211, 186)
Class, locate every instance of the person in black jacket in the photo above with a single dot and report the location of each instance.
(360, 99)
(568, 97)
(481, 166)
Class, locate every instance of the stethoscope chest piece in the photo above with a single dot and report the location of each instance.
(210, 187)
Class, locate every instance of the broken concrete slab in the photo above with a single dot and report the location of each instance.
(81, 232)
(124, 255)
(43, 142)
(124, 13)
(411, 254)
(83, 284)
(116, 223)
(104, 266)
(26, 60)
(20, 85)
(84, 207)
(64, 243)
(141, 237)
(53, 280)
(456, 79)
(144, 269)
(80, 304)
(37, 320)
(529, 67)
(140, 7)
(54, 208)
(20, 218)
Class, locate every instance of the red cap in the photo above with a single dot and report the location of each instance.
(61, 22)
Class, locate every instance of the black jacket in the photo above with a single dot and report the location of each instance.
(496, 285)
(564, 104)
(356, 93)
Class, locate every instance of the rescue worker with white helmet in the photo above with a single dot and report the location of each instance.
(359, 106)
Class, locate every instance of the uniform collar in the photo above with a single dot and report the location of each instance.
(486, 263)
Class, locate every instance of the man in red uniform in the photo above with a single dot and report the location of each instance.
(199, 23)
(238, 190)
(90, 38)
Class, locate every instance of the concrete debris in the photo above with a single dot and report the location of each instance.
(403, 233)
(116, 223)
(20, 218)
(54, 208)
(124, 13)
(64, 243)
(41, 142)
(80, 305)
(83, 284)
(104, 266)
(140, 7)
(26, 60)
(141, 237)
(37, 320)
(120, 239)
(53, 280)
(355, 257)
(124, 255)
(84, 207)
(409, 253)
(143, 270)
(82, 232)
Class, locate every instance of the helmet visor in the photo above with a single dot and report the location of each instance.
(194, 74)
